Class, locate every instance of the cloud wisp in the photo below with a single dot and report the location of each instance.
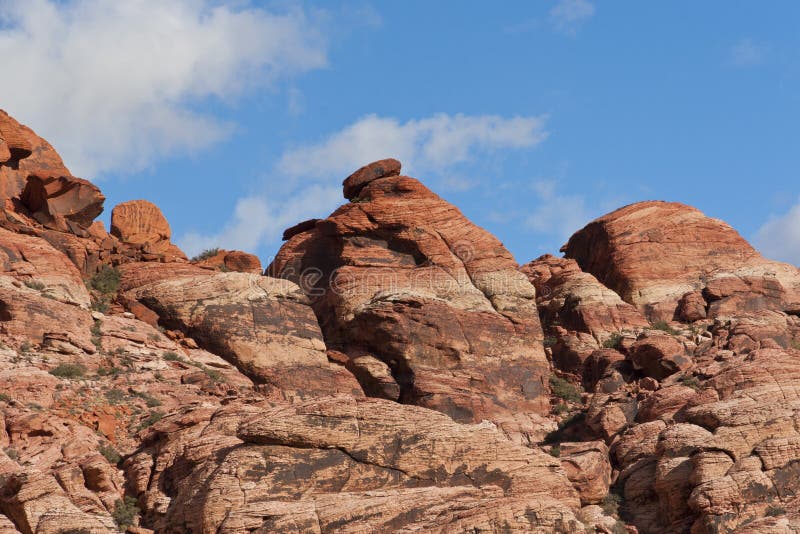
(310, 175)
(779, 237)
(555, 213)
(747, 53)
(567, 16)
(115, 85)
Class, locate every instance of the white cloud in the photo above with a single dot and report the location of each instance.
(259, 219)
(779, 237)
(747, 52)
(567, 15)
(114, 84)
(310, 175)
(431, 144)
(557, 214)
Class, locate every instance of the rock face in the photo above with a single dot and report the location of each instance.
(346, 465)
(576, 299)
(654, 253)
(263, 325)
(403, 276)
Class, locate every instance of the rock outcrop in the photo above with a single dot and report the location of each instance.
(401, 275)
(345, 465)
(264, 326)
(654, 253)
(231, 260)
(140, 223)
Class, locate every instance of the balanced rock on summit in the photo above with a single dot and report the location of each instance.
(402, 275)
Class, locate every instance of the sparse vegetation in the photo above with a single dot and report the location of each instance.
(125, 511)
(610, 504)
(4, 398)
(151, 401)
(795, 343)
(564, 390)
(97, 335)
(68, 370)
(76, 531)
(664, 327)
(774, 511)
(549, 341)
(34, 284)
(213, 374)
(555, 451)
(153, 336)
(110, 454)
(206, 254)
(106, 281)
(613, 341)
(114, 396)
(11, 453)
(26, 347)
(171, 356)
(154, 417)
(690, 382)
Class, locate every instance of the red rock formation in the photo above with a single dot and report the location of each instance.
(345, 465)
(140, 223)
(402, 275)
(653, 253)
(232, 260)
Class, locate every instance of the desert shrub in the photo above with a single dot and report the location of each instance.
(68, 370)
(11, 453)
(171, 356)
(33, 284)
(564, 390)
(110, 454)
(613, 341)
(114, 396)
(690, 382)
(610, 504)
(555, 451)
(207, 253)
(154, 417)
(106, 280)
(664, 327)
(125, 511)
(774, 511)
(549, 341)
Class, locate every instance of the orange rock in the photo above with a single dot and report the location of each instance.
(402, 275)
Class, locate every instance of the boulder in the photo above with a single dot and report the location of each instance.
(140, 223)
(384, 168)
(232, 260)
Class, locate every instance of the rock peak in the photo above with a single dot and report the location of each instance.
(384, 168)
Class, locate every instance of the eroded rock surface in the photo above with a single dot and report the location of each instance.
(400, 274)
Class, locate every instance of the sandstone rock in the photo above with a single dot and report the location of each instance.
(262, 325)
(653, 253)
(402, 275)
(63, 203)
(347, 465)
(42, 268)
(141, 223)
(576, 300)
(384, 168)
(232, 260)
(588, 468)
(659, 355)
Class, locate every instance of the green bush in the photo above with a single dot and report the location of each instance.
(68, 370)
(664, 327)
(125, 511)
(33, 284)
(114, 396)
(106, 280)
(4, 397)
(11, 453)
(555, 451)
(207, 253)
(613, 341)
(690, 382)
(154, 417)
(171, 356)
(549, 341)
(611, 503)
(110, 454)
(774, 511)
(564, 390)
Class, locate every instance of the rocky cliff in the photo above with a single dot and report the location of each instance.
(393, 370)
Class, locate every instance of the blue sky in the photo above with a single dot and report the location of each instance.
(242, 118)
